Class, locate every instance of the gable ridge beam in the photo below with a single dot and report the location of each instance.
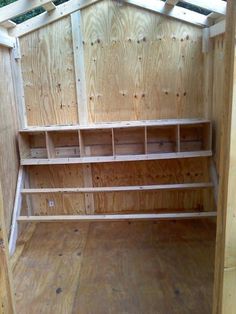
(19, 7)
(216, 6)
(44, 19)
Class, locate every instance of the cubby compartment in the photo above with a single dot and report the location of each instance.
(63, 144)
(96, 142)
(195, 137)
(162, 139)
(129, 141)
(32, 145)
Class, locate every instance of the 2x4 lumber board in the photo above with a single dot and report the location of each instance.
(217, 29)
(120, 217)
(8, 24)
(6, 41)
(88, 181)
(225, 258)
(44, 19)
(114, 125)
(170, 11)
(172, 2)
(18, 84)
(216, 6)
(84, 160)
(7, 301)
(19, 7)
(183, 186)
(16, 211)
(49, 6)
(79, 67)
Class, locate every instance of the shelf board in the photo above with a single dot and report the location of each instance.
(84, 160)
(119, 217)
(114, 125)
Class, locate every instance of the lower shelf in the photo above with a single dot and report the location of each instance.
(120, 217)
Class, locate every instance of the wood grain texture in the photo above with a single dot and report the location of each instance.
(140, 65)
(218, 95)
(8, 127)
(57, 176)
(107, 268)
(47, 272)
(7, 302)
(48, 75)
(130, 173)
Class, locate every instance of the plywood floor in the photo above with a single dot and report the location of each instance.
(115, 268)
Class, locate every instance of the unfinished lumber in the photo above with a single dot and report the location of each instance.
(119, 217)
(44, 19)
(7, 301)
(225, 258)
(16, 211)
(183, 186)
(19, 7)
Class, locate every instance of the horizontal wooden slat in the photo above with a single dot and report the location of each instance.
(6, 41)
(183, 186)
(44, 19)
(19, 7)
(84, 160)
(8, 24)
(217, 6)
(120, 217)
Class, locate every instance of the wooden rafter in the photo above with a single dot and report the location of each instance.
(172, 2)
(75, 5)
(44, 19)
(19, 7)
(217, 6)
(8, 24)
(49, 6)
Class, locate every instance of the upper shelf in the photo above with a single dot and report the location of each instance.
(138, 140)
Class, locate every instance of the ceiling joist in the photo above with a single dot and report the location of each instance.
(19, 7)
(216, 6)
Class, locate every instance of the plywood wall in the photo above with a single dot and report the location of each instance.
(121, 174)
(218, 94)
(138, 65)
(48, 74)
(8, 129)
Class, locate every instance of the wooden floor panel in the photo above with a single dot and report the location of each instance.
(101, 268)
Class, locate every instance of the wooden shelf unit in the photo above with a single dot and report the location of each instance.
(143, 140)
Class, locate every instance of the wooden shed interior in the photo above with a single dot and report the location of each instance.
(117, 172)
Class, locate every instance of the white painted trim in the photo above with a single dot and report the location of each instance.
(120, 217)
(16, 211)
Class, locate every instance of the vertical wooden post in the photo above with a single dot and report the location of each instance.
(79, 67)
(225, 263)
(6, 292)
